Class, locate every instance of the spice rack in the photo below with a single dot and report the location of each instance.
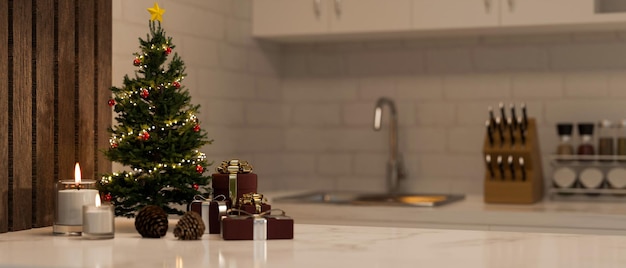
(519, 181)
(588, 177)
(590, 173)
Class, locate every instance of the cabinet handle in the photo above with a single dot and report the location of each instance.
(488, 6)
(338, 7)
(317, 6)
(511, 5)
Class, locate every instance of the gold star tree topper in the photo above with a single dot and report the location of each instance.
(156, 13)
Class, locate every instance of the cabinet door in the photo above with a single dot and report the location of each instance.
(289, 17)
(538, 12)
(455, 14)
(352, 16)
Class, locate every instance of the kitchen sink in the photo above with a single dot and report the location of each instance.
(349, 198)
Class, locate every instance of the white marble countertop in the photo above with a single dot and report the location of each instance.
(317, 246)
(471, 214)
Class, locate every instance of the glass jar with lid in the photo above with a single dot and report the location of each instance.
(565, 147)
(586, 148)
(621, 140)
(606, 137)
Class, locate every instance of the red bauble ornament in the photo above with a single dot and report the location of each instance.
(107, 198)
(111, 102)
(195, 186)
(196, 128)
(199, 169)
(145, 135)
(168, 50)
(176, 84)
(137, 62)
(145, 93)
(114, 145)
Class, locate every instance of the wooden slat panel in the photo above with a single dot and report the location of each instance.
(22, 116)
(44, 179)
(103, 57)
(66, 117)
(86, 87)
(4, 118)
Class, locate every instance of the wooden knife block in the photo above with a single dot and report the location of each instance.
(518, 191)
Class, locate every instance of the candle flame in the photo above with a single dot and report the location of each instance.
(77, 178)
(98, 202)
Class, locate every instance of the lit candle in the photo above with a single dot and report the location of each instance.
(98, 220)
(71, 197)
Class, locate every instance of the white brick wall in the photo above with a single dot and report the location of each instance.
(303, 113)
(442, 88)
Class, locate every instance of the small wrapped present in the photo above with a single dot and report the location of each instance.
(261, 226)
(234, 178)
(253, 203)
(212, 211)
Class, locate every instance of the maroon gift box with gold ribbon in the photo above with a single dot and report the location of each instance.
(253, 203)
(234, 178)
(257, 226)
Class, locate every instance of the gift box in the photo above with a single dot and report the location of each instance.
(253, 203)
(257, 226)
(234, 178)
(212, 212)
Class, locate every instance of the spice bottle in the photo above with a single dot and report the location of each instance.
(585, 148)
(621, 141)
(565, 136)
(606, 140)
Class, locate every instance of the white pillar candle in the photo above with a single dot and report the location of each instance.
(71, 197)
(70, 204)
(98, 220)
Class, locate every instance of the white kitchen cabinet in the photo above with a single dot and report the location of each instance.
(311, 17)
(455, 14)
(459, 14)
(290, 17)
(315, 20)
(350, 16)
(545, 12)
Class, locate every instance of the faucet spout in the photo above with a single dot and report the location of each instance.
(395, 168)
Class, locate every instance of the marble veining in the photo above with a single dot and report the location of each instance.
(317, 246)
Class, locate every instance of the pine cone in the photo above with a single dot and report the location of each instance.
(151, 222)
(190, 226)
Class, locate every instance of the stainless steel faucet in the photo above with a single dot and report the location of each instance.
(395, 167)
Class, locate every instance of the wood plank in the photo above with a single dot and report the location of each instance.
(44, 180)
(86, 88)
(103, 83)
(66, 133)
(22, 116)
(4, 118)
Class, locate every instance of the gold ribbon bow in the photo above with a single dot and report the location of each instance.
(232, 168)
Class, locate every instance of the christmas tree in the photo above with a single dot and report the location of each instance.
(157, 135)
